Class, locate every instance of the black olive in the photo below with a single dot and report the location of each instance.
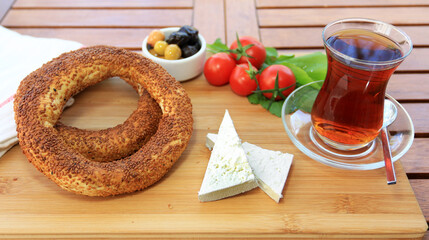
(179, 38)
(192, 33)
(198, 44)
(189, 30)
(190, 50)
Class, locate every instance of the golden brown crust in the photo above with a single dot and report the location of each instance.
(39, 102)
(119, 141)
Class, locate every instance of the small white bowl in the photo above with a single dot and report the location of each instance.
(181, 69)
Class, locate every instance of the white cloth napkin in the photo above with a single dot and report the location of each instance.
(19, 56)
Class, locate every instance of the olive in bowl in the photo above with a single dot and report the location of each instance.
(183, 68)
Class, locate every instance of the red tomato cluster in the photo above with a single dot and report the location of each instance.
(233, 68)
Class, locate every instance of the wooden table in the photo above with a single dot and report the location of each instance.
(319, 201)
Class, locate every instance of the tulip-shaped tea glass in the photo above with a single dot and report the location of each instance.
(362, 55)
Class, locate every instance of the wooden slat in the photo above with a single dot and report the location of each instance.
(337, 3)
(320, 17)
(241, 19)
(131, 38)
(415, 61)
(4, 7)
(420, 188)
(292, 37)
(416, 160)
(102, 4)
(419, 113)
(98, 18)
(209, 18)
(405, 87)
(299, 37)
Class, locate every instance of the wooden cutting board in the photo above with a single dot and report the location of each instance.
(320, 201)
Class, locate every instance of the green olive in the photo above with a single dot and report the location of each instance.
(172, 52)
(160, 47)
(155, 36)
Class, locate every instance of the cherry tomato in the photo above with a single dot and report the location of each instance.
(285, 79)
(240, 80)
(218, 68)
(257, 51)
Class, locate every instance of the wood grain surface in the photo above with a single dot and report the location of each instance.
(241, 19)
(416, 161)
(310, 37)
(337, 3)
(36, 4)
(97, 18)
(209, 18)
(319, 201)
(409, 87)
(321, 16)
(361, 201)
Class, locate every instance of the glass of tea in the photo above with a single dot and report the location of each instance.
(362, 55)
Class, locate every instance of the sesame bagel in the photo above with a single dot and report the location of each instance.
(39, 103)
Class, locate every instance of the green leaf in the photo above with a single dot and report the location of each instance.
(301, 76)
(306, 101)
(264, 65)
(271, 52)
(265, 103)
(271, 55)
(255, 98)
(314, 64)
(217, 47)
(276, 108)
(274, 58)
(283, 58)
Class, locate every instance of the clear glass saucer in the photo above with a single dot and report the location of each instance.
(297, 122)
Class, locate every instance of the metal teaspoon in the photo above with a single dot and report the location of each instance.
(389, 116)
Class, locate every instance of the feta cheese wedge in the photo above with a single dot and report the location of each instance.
(271, 168)
(210, 140)
(228, 172)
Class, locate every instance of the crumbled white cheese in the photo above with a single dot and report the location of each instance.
(228, 172)
(271, 168)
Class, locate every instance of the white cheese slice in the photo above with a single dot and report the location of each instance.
(228, 171)
(271, 168)
(210, 140)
